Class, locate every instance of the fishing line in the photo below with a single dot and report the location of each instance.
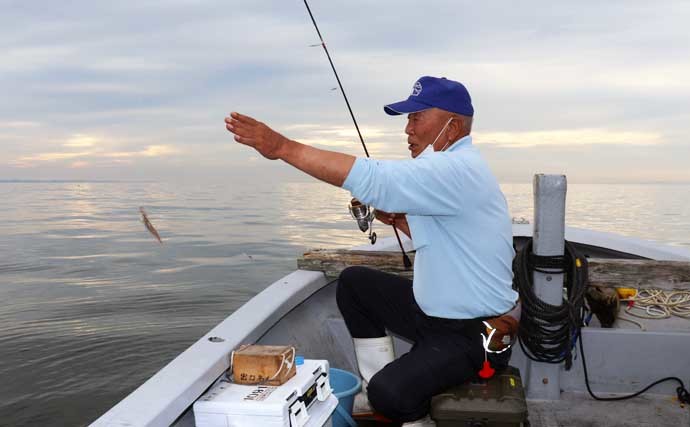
(406, 259)
(325, 49)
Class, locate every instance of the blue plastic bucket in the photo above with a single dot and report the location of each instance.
(345, 386)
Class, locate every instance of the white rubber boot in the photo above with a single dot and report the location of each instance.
(422, 422)
(372, 355)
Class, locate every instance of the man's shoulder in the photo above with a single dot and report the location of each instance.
(466, 158)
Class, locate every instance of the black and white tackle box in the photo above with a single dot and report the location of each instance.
(305, 400)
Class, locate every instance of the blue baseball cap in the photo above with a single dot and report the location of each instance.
(429, 92)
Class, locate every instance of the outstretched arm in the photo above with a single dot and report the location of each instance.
(328, 166)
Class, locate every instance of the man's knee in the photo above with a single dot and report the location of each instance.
(396, 401)
(353, 274)
(349, 280)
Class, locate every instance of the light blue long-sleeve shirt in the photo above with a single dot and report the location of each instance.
(460, 225)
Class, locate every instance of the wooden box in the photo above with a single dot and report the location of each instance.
(263, 364)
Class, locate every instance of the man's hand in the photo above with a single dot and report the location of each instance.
(328, 166)
(397, 219)
(256, 135)
(386, 217)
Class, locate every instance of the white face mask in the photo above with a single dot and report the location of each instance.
(430, 148)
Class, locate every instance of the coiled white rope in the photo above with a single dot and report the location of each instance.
(659, 304)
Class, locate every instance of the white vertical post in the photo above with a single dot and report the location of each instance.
(548, 240)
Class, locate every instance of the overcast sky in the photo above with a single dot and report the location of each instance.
(597, 90)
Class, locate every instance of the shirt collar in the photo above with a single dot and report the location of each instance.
(465, 141)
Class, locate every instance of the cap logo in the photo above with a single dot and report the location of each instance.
(416, 89)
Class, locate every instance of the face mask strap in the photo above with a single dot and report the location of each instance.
(441, 133)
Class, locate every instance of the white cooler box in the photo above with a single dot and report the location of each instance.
(305, 400)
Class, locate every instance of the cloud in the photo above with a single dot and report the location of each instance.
(103, 89)
(568, 137)
(94, 150)
(51, 157)
(19, 124)
(131, 64)
(79, 164)
(151, 83)
(335, 136)
(81, 141)
(150, 151)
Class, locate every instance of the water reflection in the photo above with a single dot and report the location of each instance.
(317, 216)
(646, 211)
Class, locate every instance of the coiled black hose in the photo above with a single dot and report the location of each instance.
(548, 332)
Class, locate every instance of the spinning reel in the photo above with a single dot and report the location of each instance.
(364, 215)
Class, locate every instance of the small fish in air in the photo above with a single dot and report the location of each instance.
(149, 226)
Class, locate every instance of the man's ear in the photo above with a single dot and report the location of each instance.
(456, 128)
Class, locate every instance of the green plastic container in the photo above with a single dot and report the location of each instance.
(499, 402)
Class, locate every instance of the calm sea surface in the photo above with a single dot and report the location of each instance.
(91, 305)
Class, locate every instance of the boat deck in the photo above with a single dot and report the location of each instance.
(580, 410)
(574, 409)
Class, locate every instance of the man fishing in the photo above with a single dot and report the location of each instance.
(450, 204)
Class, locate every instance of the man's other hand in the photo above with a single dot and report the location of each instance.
(255, 134)
(391, 218)
(397, 219)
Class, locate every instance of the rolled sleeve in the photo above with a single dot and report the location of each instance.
(355, 177)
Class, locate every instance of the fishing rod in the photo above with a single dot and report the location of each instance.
(363, 214)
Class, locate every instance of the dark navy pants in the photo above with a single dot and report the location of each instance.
(446, 352)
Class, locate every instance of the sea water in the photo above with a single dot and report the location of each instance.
(92, 305)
